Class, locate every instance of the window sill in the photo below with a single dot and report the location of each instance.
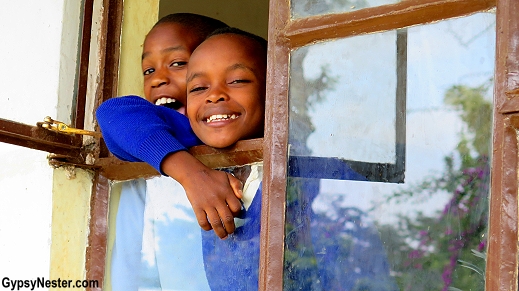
(242, 153)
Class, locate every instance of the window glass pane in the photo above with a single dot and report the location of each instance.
(355, 88)
(428, 233)
(25, 213)
(344, 104)
(304, 8)
(176, 253)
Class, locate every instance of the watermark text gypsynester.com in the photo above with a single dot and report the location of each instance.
(41, 282)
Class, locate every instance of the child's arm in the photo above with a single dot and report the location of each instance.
(136, 130)
(208, 191)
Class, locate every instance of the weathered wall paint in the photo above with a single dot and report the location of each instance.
(72, 189)
(70, 217)
(41, 250)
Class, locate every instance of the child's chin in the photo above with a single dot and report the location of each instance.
(219, 142)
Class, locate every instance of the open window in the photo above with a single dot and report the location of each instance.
(327, 50)
(354, 32)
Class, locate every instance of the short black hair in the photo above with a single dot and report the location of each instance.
(233, 30)
(202, 25)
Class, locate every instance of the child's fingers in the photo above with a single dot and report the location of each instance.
(217, 221)
(227, 218)
(236, 185)
(201, 217)
(235, 206)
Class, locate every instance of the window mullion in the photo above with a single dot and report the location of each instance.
(105, 88)
(502, 264)
(275, 150)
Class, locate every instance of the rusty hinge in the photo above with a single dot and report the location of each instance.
(85, 159)
(60, 127)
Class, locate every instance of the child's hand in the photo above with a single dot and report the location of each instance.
(214, 195)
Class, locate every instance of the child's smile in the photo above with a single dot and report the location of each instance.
(221, 118)
(169, 102)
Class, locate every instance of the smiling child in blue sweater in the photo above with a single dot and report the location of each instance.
(138, 130)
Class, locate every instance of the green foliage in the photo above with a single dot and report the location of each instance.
(476, 113)
(446, 252)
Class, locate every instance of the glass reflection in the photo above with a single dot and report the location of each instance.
(363, 108)
(305, 8)
(428, 233)
(353, 82)
(178, 255)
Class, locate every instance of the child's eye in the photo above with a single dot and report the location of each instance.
(178, 64)
(239, 81)
(196, 89)
(148, 71)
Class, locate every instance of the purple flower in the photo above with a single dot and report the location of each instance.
(482, 245)
(416, 254)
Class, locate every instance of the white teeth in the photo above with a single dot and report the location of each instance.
(220, 117)
(164, 100)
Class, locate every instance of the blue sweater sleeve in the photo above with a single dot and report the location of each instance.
(136, 130)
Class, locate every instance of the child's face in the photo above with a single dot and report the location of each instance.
(166, 51)
(226, 90)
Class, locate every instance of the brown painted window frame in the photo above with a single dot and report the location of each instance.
(286, 34)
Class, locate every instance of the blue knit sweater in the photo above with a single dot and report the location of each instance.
(136, 130)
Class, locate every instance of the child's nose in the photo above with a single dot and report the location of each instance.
(159, 78)
(216, 95)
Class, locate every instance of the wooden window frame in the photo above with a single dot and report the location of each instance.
(502, 253)
(286, 34)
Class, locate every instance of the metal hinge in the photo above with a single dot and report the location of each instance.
(85, 159)
(60, 127)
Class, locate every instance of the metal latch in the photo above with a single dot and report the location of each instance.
(58, 126)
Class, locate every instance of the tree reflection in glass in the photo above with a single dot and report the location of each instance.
(428, 233)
